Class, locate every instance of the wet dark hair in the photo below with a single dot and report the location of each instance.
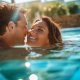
(54, 32)
(8, 12)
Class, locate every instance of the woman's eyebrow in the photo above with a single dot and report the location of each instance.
(41, 27)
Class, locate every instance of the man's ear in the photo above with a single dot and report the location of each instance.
(11, 26)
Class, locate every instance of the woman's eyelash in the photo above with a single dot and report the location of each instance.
(40, 29)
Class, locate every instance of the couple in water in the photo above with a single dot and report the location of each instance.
(13, 28)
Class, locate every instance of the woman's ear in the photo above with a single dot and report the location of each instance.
(11, 26)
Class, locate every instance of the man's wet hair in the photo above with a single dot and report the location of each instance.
(8, 12)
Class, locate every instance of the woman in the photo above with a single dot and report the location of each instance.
(44, 33)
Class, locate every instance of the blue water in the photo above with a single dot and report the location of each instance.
(61, 64)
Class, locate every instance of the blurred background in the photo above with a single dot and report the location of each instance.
(64, 12)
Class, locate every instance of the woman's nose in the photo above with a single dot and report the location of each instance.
(28, 32)
(32, 32)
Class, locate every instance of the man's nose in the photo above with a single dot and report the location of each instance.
(26, 30)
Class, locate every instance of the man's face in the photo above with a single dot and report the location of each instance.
(20, 30)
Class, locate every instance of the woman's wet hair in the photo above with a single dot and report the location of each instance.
(54, 32)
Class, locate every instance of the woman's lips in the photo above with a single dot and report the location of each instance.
(32, 38)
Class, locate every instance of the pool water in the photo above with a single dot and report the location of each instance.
(61, 64)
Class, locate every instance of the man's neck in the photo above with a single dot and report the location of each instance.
(8, 40)
(3, 44)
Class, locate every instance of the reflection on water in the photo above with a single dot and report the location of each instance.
(33, 77)
(61, 64)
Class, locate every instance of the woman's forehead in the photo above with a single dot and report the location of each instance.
(39, 23)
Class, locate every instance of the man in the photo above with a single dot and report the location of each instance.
(13, 29)
(12, 32)
(12, 26)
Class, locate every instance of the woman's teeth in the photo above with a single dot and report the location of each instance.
(32, 38)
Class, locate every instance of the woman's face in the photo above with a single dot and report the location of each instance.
(38, 35)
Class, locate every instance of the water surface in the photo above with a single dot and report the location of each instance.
(63, 64)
